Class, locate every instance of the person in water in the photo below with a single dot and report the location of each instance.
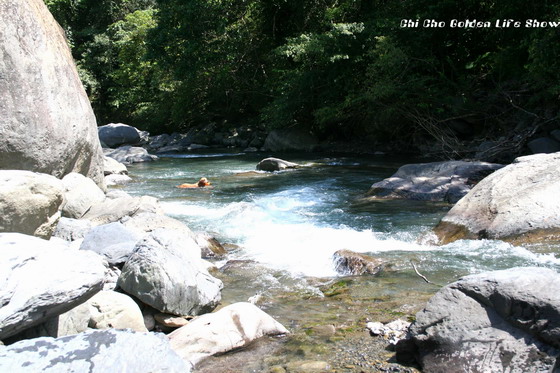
(203, 182)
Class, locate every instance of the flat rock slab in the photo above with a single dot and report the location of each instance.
(231, 327)
(518, 203)
(129, 154)
(94, 352)
(501, 321)
(436, 181)
(40, 279)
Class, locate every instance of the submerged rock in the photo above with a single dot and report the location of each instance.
(29, 202)
(41, 279)
(498, 321)
(517, 203)
(46, 121)
(437, 181)
(348, 262)
(275, 164)
(231, 327)
(166, 272)
(95, 352)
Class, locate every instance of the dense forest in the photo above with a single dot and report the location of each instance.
(344, 69)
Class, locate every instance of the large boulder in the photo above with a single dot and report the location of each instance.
(518, 203)
(117, 134)
(166, 272)
(98, 351)
(114, 209)
(291, 139)
(130, 154)
(275, 164)
(502, 321)
(437, 181)
(80, 193)
(40, 279)
(29, 202)
(544, 145)
(231, 327)
(113, 241)
(46, 121)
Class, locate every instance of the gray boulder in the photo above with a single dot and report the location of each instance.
(544, 145)
(98, 351)
(232, 327)
(129, 154)
(291, 139)
(80, 193)
(114, 179)
(29, 202)
(275, 164)
(348, 262)
(166, 272)
(41, 279)
(518, 203)
(117, 134)
(113, 241)
(437, 181)
(112, 167)
(46, 121)
(502, 321)
(72, 229)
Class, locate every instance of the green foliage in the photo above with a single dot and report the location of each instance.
(342, 68)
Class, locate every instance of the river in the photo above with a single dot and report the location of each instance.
(283, 228)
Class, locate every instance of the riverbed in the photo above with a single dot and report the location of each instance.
(281, 230)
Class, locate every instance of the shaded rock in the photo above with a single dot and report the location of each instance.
(348, 262)
(437, 181)
(170, 321)
(544, 145)
(290, 140)
(166, 272)
(72, 229)
(113, 241)
(114, 179)
(129, 154)
(518, 202)
(29, 202)
(275, 164)
(117, 134)
(497, 321)
(159, 141)
(80, 193)
(46, 121)
(33, 288)
(109, 309)
(95, 352)
(112, 167)
(555, 134)
(231, 327)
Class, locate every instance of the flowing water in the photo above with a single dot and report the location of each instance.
(283, 229)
